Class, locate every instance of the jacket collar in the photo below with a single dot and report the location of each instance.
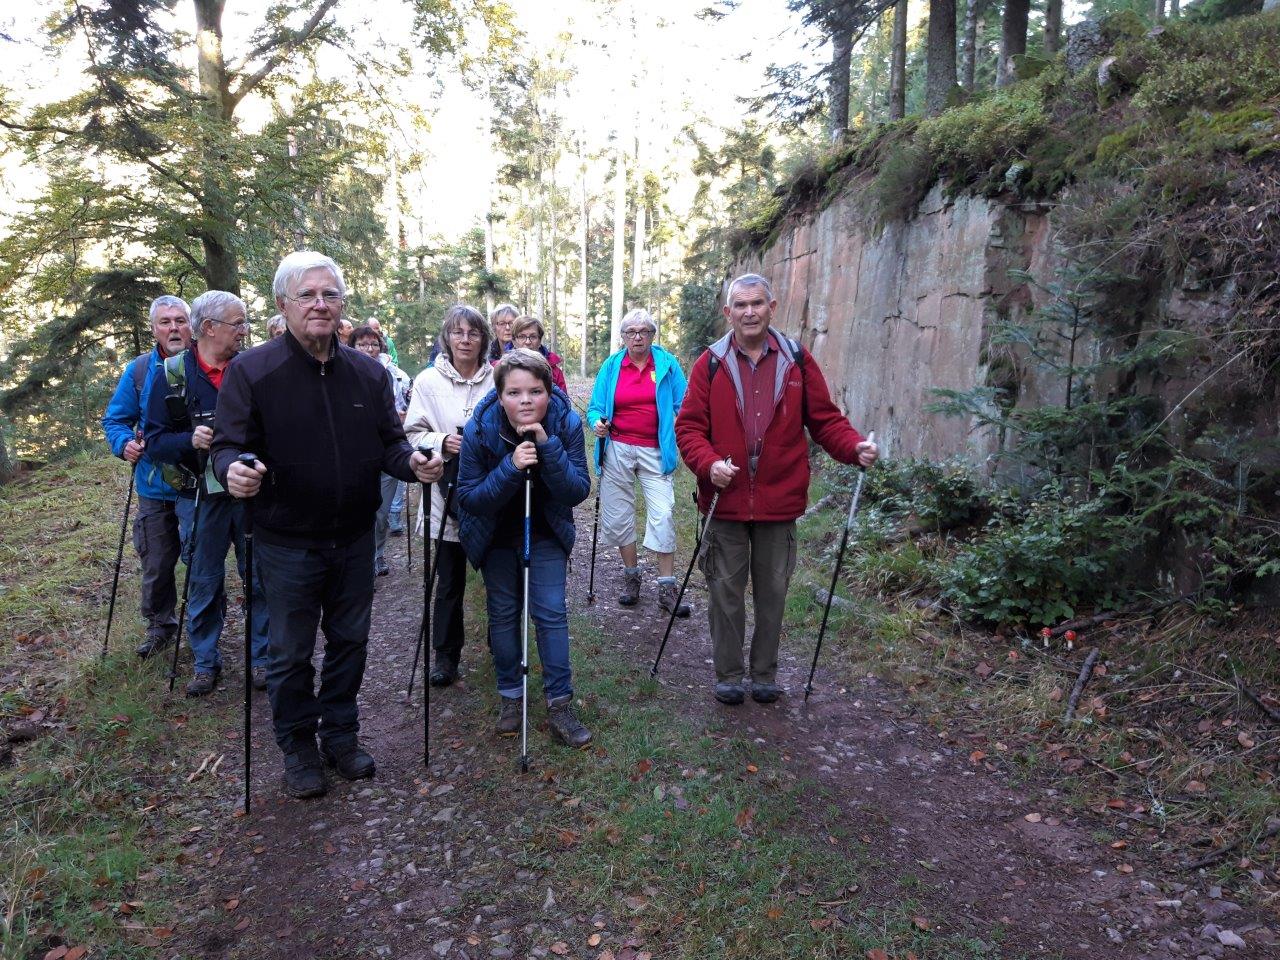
(446, 369)
(301, 352)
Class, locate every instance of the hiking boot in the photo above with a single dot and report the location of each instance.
(630, 589)
(351, 762)
(394, 526)
(510, 717)
(667, 600)
(380, 568)
(153, 645)
(259, 678)
(304, 774)
(444, 672)
(565, 725)
(730, 693)
(765, 692)
(203, 683)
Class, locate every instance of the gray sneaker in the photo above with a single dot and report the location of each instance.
(630, 589)
(510, 717)
(667, 593)
(565, 725)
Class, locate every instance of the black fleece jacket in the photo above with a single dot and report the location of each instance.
(325, 432)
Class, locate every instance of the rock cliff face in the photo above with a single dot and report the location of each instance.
(891, 315)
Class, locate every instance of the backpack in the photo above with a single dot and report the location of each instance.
(179, 477)
(141, 367)
(797, 356)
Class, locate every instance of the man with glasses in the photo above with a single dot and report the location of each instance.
(320, 419)
(180, 427)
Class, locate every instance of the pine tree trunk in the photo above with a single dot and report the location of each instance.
(838, 83)
(221, 265)
(898, 63)
(1013, 40)
(583, 239)
(1157, 11)
(969, 42)
(1053, 26)
(618, 291)
(940, 56)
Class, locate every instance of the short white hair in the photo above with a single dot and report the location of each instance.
(167, 300)
(293, 266)
(638, 317)
(211, 305)
(749, 280)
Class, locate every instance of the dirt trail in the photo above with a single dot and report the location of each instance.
(420, 865)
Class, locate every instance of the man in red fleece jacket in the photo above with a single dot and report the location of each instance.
(740, 430)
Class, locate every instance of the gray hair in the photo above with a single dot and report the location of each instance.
(502, 308)
(167, 300)
(749, 280)
(639, 317)
(211, 305)
(294, 265)
(274, 324)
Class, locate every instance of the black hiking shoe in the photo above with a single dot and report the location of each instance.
(510, 717)
(730, 693)
(444, 672)
(153, 645)
(304, 774)
(203, 683)
(349, 760)
(765, 692)
(259, 678)
(565, 725)
(630, 595)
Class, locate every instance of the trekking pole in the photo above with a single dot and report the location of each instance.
(451, 486)
(408, 540)
(697, 547)
(186, 582)
(835, 574)
(524, 621)
(424, 629)
(248, 459)
(595, 527)
(115, 579)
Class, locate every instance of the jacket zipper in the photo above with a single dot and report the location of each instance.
(337, 447)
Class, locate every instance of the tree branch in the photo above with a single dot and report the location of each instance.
(283, 44)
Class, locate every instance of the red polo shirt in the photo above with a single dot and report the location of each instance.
(635, 404)
(213, 373)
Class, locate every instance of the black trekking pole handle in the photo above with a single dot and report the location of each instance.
(249, 460)
(835, 574)
(697, 548)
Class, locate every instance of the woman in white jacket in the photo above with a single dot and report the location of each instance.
(444, 395)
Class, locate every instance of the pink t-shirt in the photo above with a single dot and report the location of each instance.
(635, 404)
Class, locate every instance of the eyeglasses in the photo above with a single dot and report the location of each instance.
(242, 325)
(465, 335)
(528, 338)
(308, 298)
(632, 334)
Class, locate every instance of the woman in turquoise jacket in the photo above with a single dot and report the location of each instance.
(637, 395)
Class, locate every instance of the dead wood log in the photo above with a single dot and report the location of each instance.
(1085, 673)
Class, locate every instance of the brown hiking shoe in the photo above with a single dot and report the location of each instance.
(510, 717)
(667, 593)
(202, 684)
(565, 725)
(630, 589)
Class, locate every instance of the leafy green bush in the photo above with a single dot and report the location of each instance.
(941, 495)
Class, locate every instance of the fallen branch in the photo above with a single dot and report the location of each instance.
(1142, 606)
(1085, 673)
(1271, 713)
(818, 506)
(838, 602)
(1212, 857)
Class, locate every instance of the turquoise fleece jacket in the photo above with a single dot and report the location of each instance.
(670, 394)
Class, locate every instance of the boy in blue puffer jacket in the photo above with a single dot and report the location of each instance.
(491, 483)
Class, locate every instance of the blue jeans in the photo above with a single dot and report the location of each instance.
(381, 524)
(221, 526)
(330, 588)
(397, 504)
(503, 579)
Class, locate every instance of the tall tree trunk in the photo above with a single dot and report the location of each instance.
(1053, 26)
(539, 257)
(1013, 40)
(1175, 8)
(488, 257)
(969, 42)
(940, 56)
(221, 265)
(838, 83)
(898, 63)
(618, 291)
(1157, 11)
(583, 239)
(638, 248)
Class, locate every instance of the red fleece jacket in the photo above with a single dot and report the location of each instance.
(709, 428)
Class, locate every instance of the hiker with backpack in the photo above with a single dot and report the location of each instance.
(525, 432)
(155, 527)
(741, 430)
(180, 415)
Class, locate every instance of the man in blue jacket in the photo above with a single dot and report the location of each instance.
(155, 526)
(183, 398)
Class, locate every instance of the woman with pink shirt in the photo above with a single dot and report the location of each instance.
(637, 395)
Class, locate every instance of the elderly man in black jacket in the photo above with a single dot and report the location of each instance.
(320, 418)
